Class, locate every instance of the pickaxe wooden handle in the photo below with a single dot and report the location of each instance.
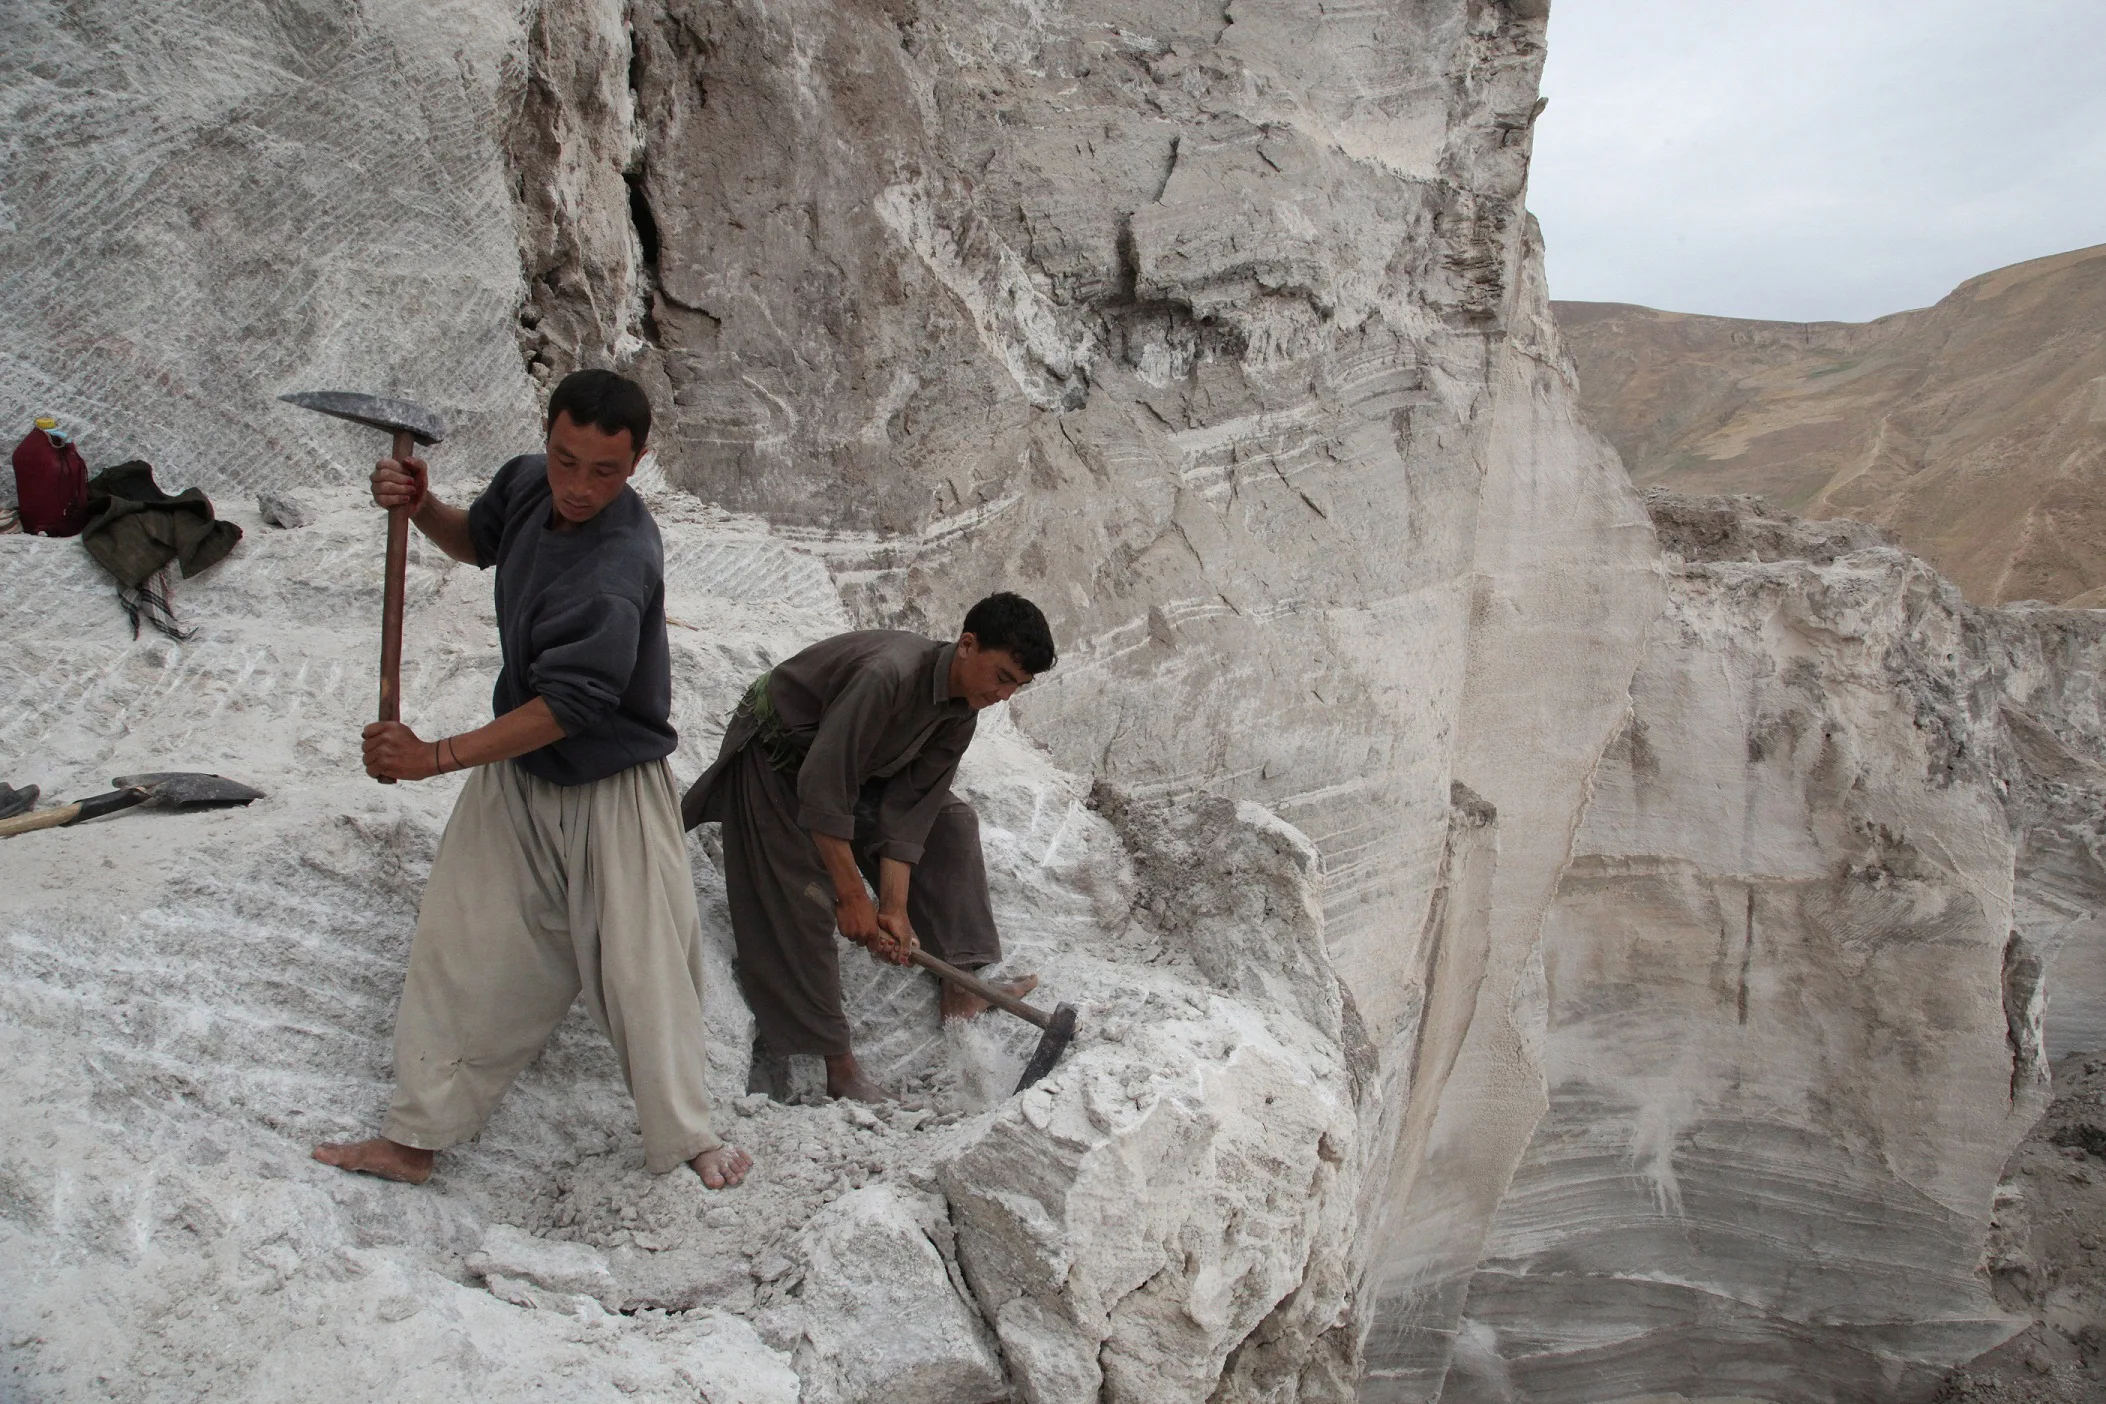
(1000, 998)
(74, 813)
(391, 601)
(411, 425)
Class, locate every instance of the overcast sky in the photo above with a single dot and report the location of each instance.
(1815, 159)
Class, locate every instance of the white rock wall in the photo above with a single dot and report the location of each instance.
(1565, 581)
(1181, 320)
(1792, 997)
(204, 207)
(1781, 1092)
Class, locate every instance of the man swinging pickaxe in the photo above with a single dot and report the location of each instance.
(563, 868)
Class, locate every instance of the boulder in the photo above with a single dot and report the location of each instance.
(512, 1255)
(281, 509)
(880, 1318)
(1132, 1219)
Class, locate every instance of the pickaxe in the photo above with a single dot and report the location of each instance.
(1058, 1028)
(160, 790)
(411, 425)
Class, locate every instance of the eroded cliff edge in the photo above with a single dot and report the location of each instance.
(1220, 331)
(1794, 980)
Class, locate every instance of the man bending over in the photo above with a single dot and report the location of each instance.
(837, 767)
(563, 867)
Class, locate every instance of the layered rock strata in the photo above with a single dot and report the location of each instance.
(2044, 1256)
(1793, 982)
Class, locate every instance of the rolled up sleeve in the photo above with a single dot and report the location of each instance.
(584, 655)
(840, 753)
(912, 797)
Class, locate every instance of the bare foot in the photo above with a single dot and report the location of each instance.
(390, 1160)
(844, 1078)
(722, 1168)
(964, 1004)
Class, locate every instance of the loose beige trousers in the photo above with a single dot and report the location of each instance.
(540, 891)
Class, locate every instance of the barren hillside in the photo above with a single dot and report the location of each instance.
(1975, 430)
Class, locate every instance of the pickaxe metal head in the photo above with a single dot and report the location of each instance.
(1057, 1028)
(177, 789)
(1060, 1032)
(410, 424)
(395, 416)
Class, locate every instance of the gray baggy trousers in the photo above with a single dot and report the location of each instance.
(541, 891)
(782, 905)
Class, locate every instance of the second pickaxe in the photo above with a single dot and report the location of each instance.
(162, 789)
(411, 425)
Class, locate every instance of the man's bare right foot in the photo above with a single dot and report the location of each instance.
(844, 1078)
(722, 1168)
(390, 1160)
(959, 1003)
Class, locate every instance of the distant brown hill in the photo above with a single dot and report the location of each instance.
(1975, 430)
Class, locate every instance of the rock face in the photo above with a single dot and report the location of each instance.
(1771, 882)
(1565, 582)
(1518, 962)
(207, 208)
(1167, 316)
(1806, 852)
(1973, 429)
(2043, 1256)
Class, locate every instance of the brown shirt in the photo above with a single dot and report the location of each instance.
(873, 705)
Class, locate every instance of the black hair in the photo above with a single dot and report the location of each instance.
(606, 401)
(1013, 625)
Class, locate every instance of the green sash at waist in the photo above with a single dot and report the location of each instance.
(785, 752)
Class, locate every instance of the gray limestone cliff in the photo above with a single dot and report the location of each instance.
(1532, 948)
(1794, 981)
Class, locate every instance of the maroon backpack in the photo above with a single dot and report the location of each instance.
(51, 482)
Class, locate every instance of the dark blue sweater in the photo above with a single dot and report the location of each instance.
(581, 619)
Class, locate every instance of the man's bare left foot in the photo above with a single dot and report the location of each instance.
(722, 1168)
(844, 1078)
(390, 1160)
(964, 1004)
